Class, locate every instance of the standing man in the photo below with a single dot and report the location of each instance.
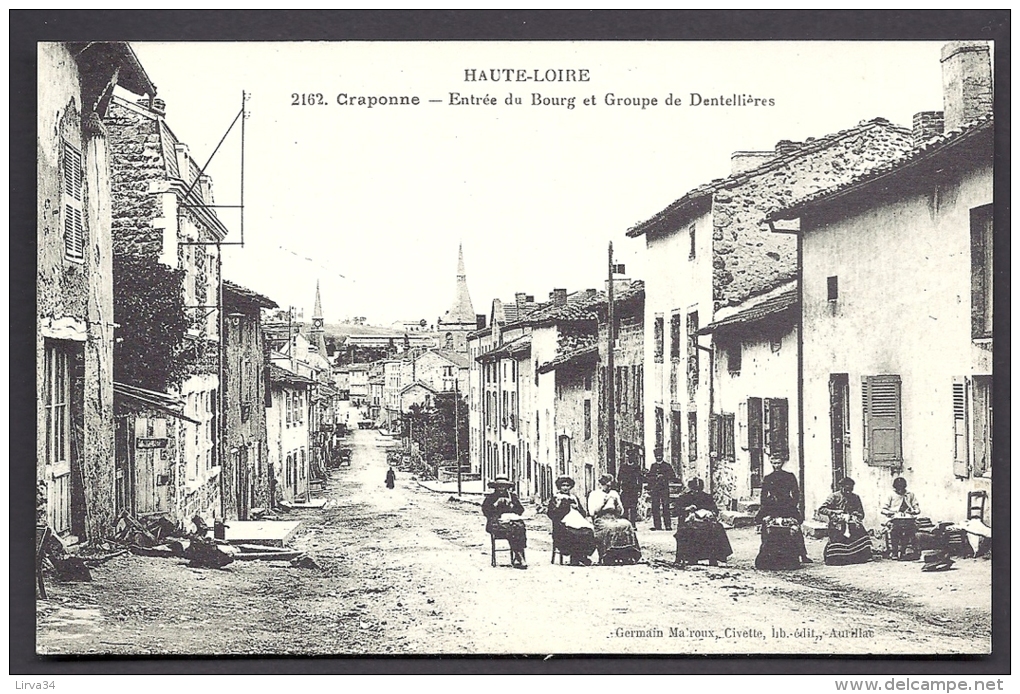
(631, 480)
(660, 474)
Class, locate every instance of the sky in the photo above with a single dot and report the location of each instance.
(373, 202)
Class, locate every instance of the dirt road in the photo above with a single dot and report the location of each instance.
(407, 571)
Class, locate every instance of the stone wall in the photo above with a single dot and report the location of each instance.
(137, 163)
(747, 258)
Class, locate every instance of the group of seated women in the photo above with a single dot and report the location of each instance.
(580, 529)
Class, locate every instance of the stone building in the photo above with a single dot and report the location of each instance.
(754, 371)
(897, 345)
(162, 211)
(287, 414)
(628, 384)
(709, 250)
(246, 460)
(74, 284)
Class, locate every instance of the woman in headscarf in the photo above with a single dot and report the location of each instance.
(573, 533)
(502, 509)
(699, 533)
(782, 541)
(614, 535)
(848, 540)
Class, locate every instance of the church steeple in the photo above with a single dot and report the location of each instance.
(318, 332)
(463, 311)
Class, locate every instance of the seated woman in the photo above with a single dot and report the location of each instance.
(502, 509)
(848, 540)
(699, 534)
(614, 535)
(573, 534)
(782, 542)
(901, 509)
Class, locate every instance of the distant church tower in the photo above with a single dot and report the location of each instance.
(456, 323)
(318, 332)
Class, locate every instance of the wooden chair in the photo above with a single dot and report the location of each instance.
(976, 505)
(495, 549)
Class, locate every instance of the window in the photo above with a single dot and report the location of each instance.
(776, 415)
(883, 445)
(981, 419)
(690, 234)
(981, 271)
(213, 428)
(832, 288)
(734, 356)
(721, 437)
(692, 436)
(674, 336)
(57, 392)
(639, 391)
(660, 425)
(72, 198)
(658, 338)
(587, 420)
(692, 354)
(972, 426)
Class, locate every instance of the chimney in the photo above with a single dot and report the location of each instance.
(966, 82)
(520, 298)
(745, 161)
(787, 146)
(479, 321)
(927, 124)
(530, 298)
(558, 297)
(592, 293)
(183, 161)
(205, 186)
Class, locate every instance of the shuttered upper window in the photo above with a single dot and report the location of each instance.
(72, 198)
(883, 426)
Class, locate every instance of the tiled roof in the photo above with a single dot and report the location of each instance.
(703, 191)
(932, 147)
(568, 357)
(247, 295)
(457, 358)
(278, 374)
(518, 346)
(757, 309)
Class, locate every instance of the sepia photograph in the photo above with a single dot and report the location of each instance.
(490, 348)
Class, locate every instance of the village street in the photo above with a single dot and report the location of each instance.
(407, 571)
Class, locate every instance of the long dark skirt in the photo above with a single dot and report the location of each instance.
(574, 542)
(702, 539)
(842, 550)
(616, 541)
(781, 548)
(511, 531)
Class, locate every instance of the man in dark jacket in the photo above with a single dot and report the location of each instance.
(660, 474)
(631, 479)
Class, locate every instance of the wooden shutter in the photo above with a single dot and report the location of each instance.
(981, 416)
(741, 435)
(779, 428)
(73, 197)
(883, 445)
(726, 437)
(754, 424)
(714, 430)
(961, 438)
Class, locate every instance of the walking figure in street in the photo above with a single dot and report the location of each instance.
(660, 474)
(391, 478)
(503, 508)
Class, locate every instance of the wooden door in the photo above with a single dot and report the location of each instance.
(144, 469)
(839, 424)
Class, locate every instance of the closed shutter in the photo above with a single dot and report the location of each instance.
(981, 417)
(742, 425)
(882, 424)
(961, 457)
(714, 431)
(754, 424)
(73, 196)
(778, 432)
(726, 437)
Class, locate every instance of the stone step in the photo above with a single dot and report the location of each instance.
(737, 519)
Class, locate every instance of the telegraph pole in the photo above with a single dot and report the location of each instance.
(610, 378)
